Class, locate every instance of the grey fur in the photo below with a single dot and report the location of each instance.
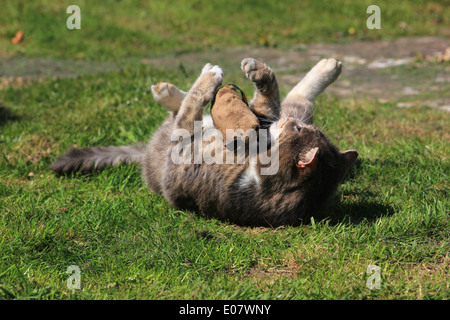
(97, 158)
(302, 185)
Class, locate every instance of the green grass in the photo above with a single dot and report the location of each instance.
(392, 211)
(129, 244)
(120, 29)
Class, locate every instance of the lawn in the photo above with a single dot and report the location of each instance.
(392, 211)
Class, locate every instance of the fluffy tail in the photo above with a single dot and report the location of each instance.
(97, 158)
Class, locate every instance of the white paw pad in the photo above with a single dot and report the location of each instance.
(328, 67)
(167, 95)
(247, 65)
(216, 70)
(160, 90)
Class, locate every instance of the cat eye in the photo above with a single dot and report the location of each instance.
(299, 128)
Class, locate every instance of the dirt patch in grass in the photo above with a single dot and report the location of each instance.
(407, 71)
(402, 69)
(17, 71)
(33, 148)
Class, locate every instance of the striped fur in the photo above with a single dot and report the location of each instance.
(97, 158)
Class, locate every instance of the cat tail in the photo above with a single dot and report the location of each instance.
(97, 158)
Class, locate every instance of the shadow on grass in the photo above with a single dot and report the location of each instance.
(356, 213)
(353, 172)
(7, 115)
(364, 210)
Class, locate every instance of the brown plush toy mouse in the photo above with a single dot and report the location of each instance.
(230, 110)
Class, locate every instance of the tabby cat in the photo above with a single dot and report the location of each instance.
(308, 171)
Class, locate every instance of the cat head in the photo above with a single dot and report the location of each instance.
(307, 155)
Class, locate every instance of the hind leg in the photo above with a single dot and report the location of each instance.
(300, 100)
(266, 99)
(317, 80)
(168, 95)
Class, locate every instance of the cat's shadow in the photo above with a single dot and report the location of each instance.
(355, 213)
(6, 115)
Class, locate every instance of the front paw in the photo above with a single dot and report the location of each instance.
(208, 82)
(327, 70)
(161, 90)
(168, 95)
(255, 70)
(214, 71)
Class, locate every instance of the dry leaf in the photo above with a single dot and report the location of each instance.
(18, 38)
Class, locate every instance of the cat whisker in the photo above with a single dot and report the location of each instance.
(323, 127)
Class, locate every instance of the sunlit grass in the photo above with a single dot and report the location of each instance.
(392, 211)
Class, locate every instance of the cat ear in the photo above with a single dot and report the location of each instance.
(350, 156)
(310, 159)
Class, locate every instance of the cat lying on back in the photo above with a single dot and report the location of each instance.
(309, 167)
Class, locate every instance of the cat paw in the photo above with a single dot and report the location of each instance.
(326, 71)
(168, 95)
(208, 82)
(216, 71)
(255, 70)
(160, 90)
